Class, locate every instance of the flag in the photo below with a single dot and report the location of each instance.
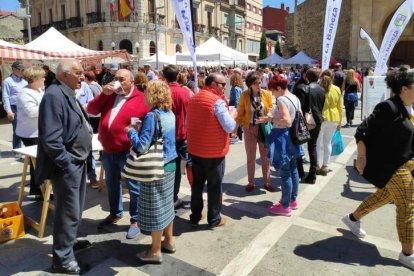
(125, 9)
(333, 9)
(112, 8)
(182, 9)
(365, 36)
(396, 27)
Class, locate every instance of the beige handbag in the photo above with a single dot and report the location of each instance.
(310, 121)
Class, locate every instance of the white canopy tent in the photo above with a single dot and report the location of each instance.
(272, 59)
(300, 58)
(214, 51)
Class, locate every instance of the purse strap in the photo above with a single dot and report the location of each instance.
(309, 97)
(158, 128)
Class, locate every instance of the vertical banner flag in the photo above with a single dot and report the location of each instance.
(112, 9)
(333, 9)
(182, 9)
(396, 27)
(365, 36)
(125, 9)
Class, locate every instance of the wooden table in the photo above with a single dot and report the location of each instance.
(30, 153)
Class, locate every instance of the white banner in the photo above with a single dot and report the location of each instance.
(365, 36)
(182, 9)
(333, 9)
(396, 27)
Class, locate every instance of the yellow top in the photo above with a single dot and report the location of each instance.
(332, 108)
(244, 107)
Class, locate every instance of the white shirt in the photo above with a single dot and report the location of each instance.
(119, 102)
(28, 101)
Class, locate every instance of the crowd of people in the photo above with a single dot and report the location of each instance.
(60, 112)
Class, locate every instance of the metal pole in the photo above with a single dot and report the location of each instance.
(29, 27)
(156, 34)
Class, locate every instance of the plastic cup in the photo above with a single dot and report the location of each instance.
(135, 121)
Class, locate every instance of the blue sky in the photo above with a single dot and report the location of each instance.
(12, 5)
(276, 3)
(9, 5)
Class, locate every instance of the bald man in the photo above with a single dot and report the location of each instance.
(117, 104)
(65, 140)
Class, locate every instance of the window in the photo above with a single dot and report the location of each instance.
(239, 22)
(178, 48)
(195, 15)
(247, 25)
(77, 8)
(63, 12)
(98, 6)
(50, 16)
(260, 11)
(225, 19)
(151, 11)
(209, 20)
(248, 7)
(100, 45)
(254, 10)
(240, 48)
(39, 18)
(226, 41)
(258, 28)
(152, 49)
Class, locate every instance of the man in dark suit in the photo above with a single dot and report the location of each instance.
(65, 140)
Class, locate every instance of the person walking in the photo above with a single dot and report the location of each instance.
(351, 87)
(385, 146)
(155, 203)
(332, 117)
(209, 125)
(254, 103)
(65, 140)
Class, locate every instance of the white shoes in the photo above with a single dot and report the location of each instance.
(408, 261)
(355, 227)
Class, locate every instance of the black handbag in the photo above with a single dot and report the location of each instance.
(298, 131)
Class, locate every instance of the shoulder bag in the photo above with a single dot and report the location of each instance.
(310, 121)
(147, 166)
(298, 132)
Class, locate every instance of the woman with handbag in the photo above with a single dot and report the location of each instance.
(255, 103)
(155, 204)
(282, 151)
(351, 88)
(385, 146)
(332, 117)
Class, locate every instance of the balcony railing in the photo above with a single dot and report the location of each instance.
(59, 25)
(74, 22)
(199, 28)
(214, 31)
(161, 19)
(94, 17)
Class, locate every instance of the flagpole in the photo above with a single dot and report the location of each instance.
(194, 46)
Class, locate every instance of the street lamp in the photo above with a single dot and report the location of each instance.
(137, 49)
(113, 45)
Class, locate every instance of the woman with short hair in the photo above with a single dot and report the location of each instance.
(141, 81)
(155, 204)
(28, 102)
(254, 103)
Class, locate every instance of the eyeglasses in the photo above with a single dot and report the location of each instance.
(120, 79)
(222, 83)
(257, 82)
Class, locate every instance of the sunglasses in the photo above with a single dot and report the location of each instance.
(222, 83)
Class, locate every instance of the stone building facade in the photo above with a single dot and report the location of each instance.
(304, 30)
(10, 27)
(93, 25)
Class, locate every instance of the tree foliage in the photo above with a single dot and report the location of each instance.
(263, 47)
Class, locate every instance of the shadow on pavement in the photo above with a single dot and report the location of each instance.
(345, 250)
(348, 191)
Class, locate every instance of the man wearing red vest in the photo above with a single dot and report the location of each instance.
(180, 98)
(209, 123)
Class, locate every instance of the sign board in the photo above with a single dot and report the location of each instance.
(375, 90)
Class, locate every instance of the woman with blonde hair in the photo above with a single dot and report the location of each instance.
(332, 117)
(254, 103)
(27, 104)
(350, 87)
(141, 81)
(155, 204)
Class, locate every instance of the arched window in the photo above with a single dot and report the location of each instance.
(152, 49)
(125, 44)
(100, 45)
(178, 48)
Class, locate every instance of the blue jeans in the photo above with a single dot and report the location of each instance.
(113, 164)
(282, 154)
(17, 142)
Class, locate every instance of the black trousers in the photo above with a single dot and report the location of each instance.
(210, 170)
(349, 112)
(34, 189)
(313, 156)
(181, 148)
(69, 188)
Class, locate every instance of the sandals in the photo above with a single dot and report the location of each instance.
(249, 188)
(268, 188)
